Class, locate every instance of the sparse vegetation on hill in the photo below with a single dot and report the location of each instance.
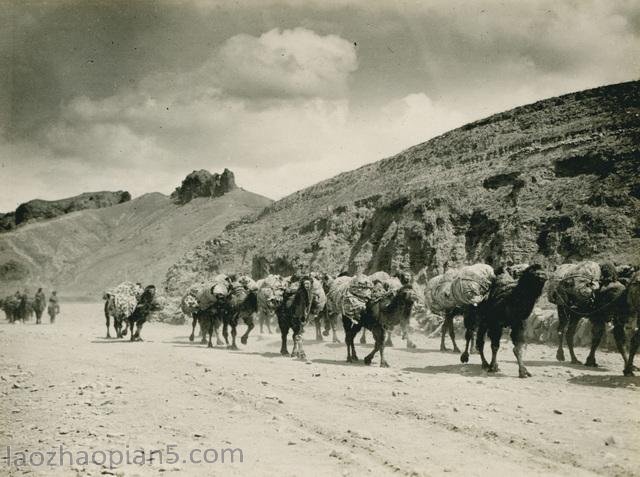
(83, 253)
(37, 210)
(554, 181)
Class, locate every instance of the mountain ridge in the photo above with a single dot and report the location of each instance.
(553, 181)
(84, 252)
(40, 209)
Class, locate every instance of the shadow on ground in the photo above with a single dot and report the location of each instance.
(427, 350)
(267, 354)
(360, 362)
(342, 345)
(115, 340)
(606, 381)
(563, 364)
(184, 341)
(462, 369)
(196, 346)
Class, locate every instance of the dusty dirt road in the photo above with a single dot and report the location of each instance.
(65, 385)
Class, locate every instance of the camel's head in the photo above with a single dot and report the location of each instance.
(404, 277)
(306, 282)
(608, 273)
(409, 294)
(220, 289)
(272, 297)
(534, 277)
(149, 293)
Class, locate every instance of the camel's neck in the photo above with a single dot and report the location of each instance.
(397, 309)
(303, 299)
(527, 292)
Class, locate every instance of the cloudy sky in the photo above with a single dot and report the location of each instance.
(108, 95)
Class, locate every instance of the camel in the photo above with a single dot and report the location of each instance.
(146, 305)
(293, 314)
(243, 303)
(509, 304)
(111, 311)
(379, 316)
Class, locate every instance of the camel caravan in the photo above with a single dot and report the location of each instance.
(488, 300)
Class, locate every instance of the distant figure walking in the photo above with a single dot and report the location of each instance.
(39, 304)
(23, 307)
(54, 307)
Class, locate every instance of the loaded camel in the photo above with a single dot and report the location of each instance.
(293, 314)
(380, 316)
(146, 305)
(509, 304)
(242, 304)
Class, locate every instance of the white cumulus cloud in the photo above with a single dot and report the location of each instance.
(289, 63)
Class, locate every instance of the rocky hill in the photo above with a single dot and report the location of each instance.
(36, 210)
(555, 181)
(204, 184)
(84, 252)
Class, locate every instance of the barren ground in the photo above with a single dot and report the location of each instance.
(427, 415)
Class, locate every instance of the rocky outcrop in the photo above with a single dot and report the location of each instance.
(36, 210)
(204, 184)
(552, 181)
(7, 221)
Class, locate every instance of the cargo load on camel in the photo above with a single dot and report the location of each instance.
(472, 284)
(125, 298)
(439, 296)
(269, 294)
(573, 284)
(348, 296)
(207, 293)
(383, 284)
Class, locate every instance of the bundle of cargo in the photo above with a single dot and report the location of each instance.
(274, 282)
(208, 293)
(269, 294)
(125, 298)
(348, 296)
(246, 282)
(438, 294)
(574, 284)
(472, 284)
(383, 284)
(189, 302)
(391, 283)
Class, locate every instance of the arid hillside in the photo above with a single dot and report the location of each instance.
(557, 180)
(84, 252)
(38, 210)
